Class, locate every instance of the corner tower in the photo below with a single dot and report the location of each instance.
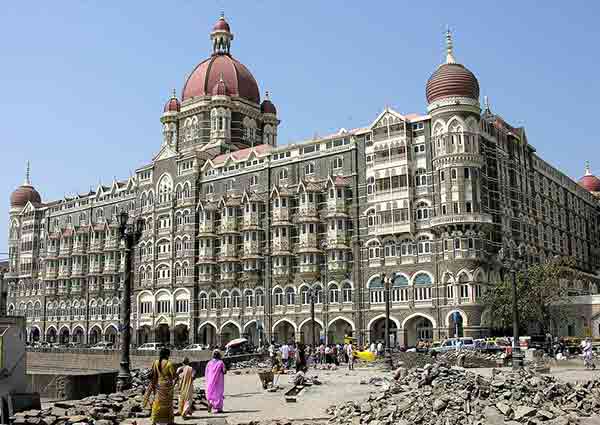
(453, 102)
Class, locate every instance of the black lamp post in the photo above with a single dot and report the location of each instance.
(130, 234)
(387, 285)
(312, 295)
(512, 261)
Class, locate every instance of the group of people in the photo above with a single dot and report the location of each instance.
(301, 355)
(165, 378)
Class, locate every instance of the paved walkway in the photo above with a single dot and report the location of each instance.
(245, 399)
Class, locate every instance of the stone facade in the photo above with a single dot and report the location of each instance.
(238, 229)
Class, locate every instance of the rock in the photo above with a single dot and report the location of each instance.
(58, 411)
(545, 414)
(365, 408)
(439, 404)
(492, 416)
(524, 411)
(504, 408)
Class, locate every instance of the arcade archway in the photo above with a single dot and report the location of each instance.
(306, 332)
(162, 334)
(64, 336)
(95, 335)
(252, 333)
(284, 332)
(338, 329)
(111, 335)
(78, 335)
(417, 328)
(51, 335)
(207, 334)
(229, 332)
(182, 336)
(377, 331)
(34, 335)
(144, 335)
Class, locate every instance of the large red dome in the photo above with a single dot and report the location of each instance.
(237, 78)
(24, 194)
(452, 80)
(591, 183)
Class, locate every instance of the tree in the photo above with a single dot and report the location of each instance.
(542, 296)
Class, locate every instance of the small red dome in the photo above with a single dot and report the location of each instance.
(172, 105)
(222, 25)
(24, 194)
(590, 182)
(206, 75)
(220, 89)
(452, 80)
(267, 107)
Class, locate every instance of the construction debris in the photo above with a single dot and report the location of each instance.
(437, 394)
(470, 358)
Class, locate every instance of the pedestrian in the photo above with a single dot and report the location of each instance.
(162, 385)
(186, 388)
(301, 359)
(379, 348)
(328, 354)
(350, 356)
(215, 382)
(373, 348)
(587, 354)
(272, 354)
(322, 353)
(285, 354)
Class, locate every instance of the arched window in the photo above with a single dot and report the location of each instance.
(248, 298)
(422, 212)
(374, 250)
(253, 180)
(304, 295)
(334, 294)
(236, 299)
(165, 189)
(424, 245)
(259, 297)
(400, 289)
(290, 296)
(213, 301)
(376, 290)
(370, 185)
(226, 297)
(347, 293)
(283, 174)
(203, 301)
(278, 294)
(422, 286)
(337, 163)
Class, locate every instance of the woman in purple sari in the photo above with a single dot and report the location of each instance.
(215, 382)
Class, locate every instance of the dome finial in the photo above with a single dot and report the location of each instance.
(267, 94)
(28, 174)
(222, 14)
(449, 46)
(588, 171)
(221, 36)
(174, 94)
(486, 102)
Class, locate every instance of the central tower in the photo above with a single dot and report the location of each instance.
(220, 108)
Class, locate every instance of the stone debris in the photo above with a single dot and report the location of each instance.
(253, 363)
(439, 395)
(470, 358)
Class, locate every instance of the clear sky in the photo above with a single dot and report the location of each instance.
(84, 82)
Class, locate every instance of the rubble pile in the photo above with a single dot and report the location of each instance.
(469, 358)
(437, 394)
(252, 363)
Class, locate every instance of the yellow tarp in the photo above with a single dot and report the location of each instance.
(366, 356)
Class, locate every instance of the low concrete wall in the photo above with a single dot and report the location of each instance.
(69, 385)
(95, 360)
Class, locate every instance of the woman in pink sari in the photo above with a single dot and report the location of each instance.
(215, 382)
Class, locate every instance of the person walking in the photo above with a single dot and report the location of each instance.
(587, 354)
(350, 356)
(322, 353)
(379, 348)
(186, 375)
(272, 354)
(373, 348)
(161, 386)
(285, 354)
(301, 359)
(215, 382)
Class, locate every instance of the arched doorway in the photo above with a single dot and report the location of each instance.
(78, 335)
(34, 335)
(181, 336)
(162, 334)
(283, 332)
(417, 328)
(95, 335)
(207, 334)
(338, 329)
(144, 335)
(252, 333)
(229, 332)
(306, 333)
(51, 335)
(377, 331)
(111, 335)
(64, 336)
(455, 325)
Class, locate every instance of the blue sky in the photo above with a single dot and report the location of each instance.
(84, 82)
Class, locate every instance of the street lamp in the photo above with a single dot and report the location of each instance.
(387, 284)
(513, 261)
(130, 234)
(312, 295)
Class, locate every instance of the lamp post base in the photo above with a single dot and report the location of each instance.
(388, 358)
(517, 359)
(123, 378)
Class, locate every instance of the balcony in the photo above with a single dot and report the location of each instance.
(189, 227)
(281, 244)
(461, 218)
(337, 266)
(308, 243)
(110, 267)
(251, 248)
(281, 214)
(388, 195)
(76, 290)
(228, 252)
(228, 225)
(206, 255)
(281, 271)
(111, 244)
(96, 245)
(77, 271)
(79, 249)
(307, 211)
(64, 272)
(164, 256)
(188, 253)
(163, 281)
(65, 251)
(389, 229)
(206, 227)
(52, 252)
(94, 288)
(230, 276)
(250, 221)
(335, 207)
(309, 268)
(96, 268)
(164, 231)
(205, 277)
(62, 290)
(337, 239)
(110, 286)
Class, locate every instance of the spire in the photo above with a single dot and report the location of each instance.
(588, 171)
(449, 53)
(174, 94)
(486, 102)
(221, 36)
(267, 95)
(28, 175)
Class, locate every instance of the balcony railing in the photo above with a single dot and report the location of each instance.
(461, 218)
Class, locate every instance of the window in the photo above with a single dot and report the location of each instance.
(468, 207)
(421, 177)
(334, 294)
(253, 180)
(347, 293)
(283, 174)
(278, 293)
(182, 306)
(226, 299)
(309, 168)
(442, 176)
(248, 298)
(163, 306)
(376, 290)
(467, 173)
(236, 299)
(203, 302)
(422, 212)
(259, 298)
(337, 163)
(290, 296)
(453, 174)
